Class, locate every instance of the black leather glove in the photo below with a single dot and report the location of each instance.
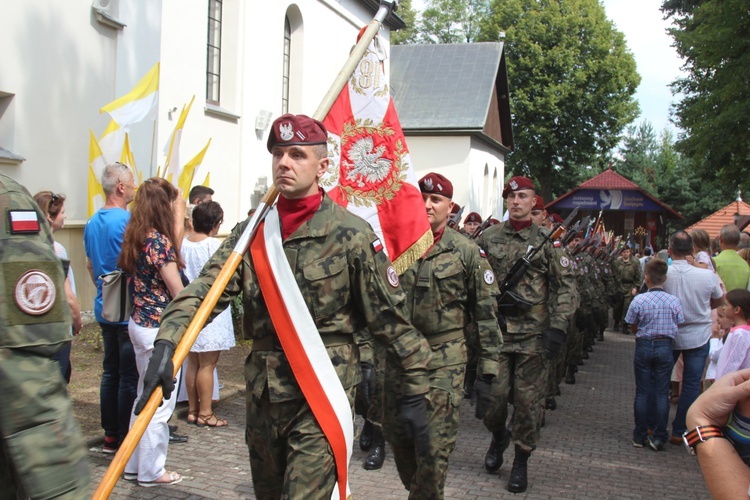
(413, 414)
(552, 340)
(482, 395)
(160, 371)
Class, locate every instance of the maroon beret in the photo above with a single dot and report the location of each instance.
(456, 208)
(473, 217)
(296, 130)
(494, 222)
(538, 203)
(556, 219)
(517, 183)
(437, 184)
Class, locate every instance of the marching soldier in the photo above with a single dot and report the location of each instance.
(627, 272)
(535, 329)
(449, 288)
(41, 450)
(472, 222)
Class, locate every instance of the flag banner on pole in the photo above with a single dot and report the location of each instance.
(112, 142)
(304, 347)
(371, 173)
(185, 180)
(136, 105)
(97, 163)
(171, 171)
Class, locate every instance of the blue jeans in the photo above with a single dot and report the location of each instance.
(695, 363)
(119, 380)
(652, 365)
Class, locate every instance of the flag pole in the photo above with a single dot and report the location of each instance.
(117, 466)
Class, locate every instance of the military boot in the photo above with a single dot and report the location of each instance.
(376, 457)
(570, 375)
(518, 475)
(493, 460)
(365, 437)
(584, 354)
(600, 335)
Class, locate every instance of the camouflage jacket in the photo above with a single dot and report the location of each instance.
(627, 274)
(549, 284)
(586, 281)
(34, 314)
(449, 288)
(348, 284)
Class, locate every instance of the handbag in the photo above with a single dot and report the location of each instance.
(116, 301)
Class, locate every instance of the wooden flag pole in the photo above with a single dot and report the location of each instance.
(117, 466)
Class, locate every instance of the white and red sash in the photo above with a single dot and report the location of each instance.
(304, 347)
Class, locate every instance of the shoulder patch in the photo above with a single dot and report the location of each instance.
(35, 292)
(23, 222)
(564, 262)
(392, 276)
(482, 254)
(377, 245)
(489, 277)
(557, 244)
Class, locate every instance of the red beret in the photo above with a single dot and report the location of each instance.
(494, 222)
(473, 217)
(538, 203)
(296, 130)
(517, 183)
(437, 184)
(456, 208)
(556, 219)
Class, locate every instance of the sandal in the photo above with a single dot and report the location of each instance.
(172, 478)
(205, 421)
(194, 414)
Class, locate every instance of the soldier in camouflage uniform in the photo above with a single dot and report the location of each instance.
(347, 283)
(450, 287)
(532, 336)
(41, 450)
(369, 399)
(628, 278)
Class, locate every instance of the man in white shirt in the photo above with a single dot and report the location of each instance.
(699, 292)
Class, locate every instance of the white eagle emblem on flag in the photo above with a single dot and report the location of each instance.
(286, 132)
(369, 163)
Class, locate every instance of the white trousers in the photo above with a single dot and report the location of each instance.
(150, 455)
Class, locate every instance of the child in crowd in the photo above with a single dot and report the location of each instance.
(653, 317)
(719, 331)
(735, 355)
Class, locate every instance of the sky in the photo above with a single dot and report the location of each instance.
(658, 63)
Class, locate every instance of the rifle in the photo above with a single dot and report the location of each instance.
(480, 229)
(575, 230)
(509, 301)
(453, 221)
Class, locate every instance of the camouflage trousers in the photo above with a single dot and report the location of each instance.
(289, 455)
(622, 306)
(574, 343)
(424, 476)
(372, 409)
(521, 381)
(41, 453)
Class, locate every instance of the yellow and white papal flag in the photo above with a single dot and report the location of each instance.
(136, 105)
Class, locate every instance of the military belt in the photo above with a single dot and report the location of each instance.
(272, 343)
(514, 312)
(442, 338)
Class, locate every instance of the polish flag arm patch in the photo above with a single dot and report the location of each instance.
(23, 221)
(482, 254)
(377, 245)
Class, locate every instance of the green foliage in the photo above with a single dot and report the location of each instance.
(653, 163)
(410, 34)
(713, 37)
(452, 21)
(572, 81)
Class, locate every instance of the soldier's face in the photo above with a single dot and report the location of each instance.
(538, 217)
(520, 203)
(471, 227)
(626, 254)
(296, 170)
(438, 207)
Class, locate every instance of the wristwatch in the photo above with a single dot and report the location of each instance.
(700, 434)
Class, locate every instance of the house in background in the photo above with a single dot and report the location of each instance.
(453, 103)
(737, 212)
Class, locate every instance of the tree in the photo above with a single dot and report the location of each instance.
(572, 81)
(410, 34)
(713, 37)
(452, 21)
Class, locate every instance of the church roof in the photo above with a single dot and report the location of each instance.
(723, 216)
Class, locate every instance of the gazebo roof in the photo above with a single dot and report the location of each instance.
(609, 179)
(723, 216)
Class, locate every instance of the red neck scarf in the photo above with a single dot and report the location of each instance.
(436, 236)
(519, 225)
(293, 213)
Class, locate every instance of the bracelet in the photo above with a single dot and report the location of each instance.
(700, 434)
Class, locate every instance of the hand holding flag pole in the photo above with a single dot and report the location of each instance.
(117, 466)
